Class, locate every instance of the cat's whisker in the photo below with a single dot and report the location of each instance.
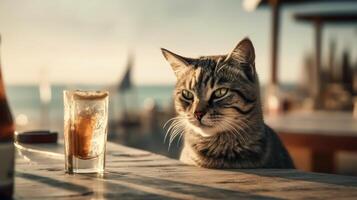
(178, 129)
(176, 121)
(247, 127)
(244, 123)
(172, 119)
(175, 128)
(174, 133)
(172, 126)
(241, 131)
(180, 133)
(237, 132)
(229, 124)
(167, 131)
(179, 139)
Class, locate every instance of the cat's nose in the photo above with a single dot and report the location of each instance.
(199, 115)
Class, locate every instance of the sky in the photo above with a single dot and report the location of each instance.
(88, 41)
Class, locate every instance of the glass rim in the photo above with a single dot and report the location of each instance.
(87, 94)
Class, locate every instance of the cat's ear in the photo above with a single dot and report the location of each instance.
(244, 52)
(243, 56)
(179, 64)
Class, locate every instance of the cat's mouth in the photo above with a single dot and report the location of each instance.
(203, 128)
(202, 124)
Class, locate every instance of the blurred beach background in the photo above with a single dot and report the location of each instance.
(26, 104)
(50, 46)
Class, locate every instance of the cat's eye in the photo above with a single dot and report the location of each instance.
(220, 92)
(187, 94)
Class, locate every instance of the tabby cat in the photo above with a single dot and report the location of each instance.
(217, 100)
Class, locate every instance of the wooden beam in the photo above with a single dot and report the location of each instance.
(275, 40)
(317, 69)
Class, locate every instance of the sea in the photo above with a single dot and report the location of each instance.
(29, 112)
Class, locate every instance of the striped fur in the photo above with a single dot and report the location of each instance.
(232, 133)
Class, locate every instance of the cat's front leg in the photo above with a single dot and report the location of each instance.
(186, 156)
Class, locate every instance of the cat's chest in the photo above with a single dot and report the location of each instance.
(226, 147)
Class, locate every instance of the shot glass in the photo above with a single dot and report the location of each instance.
(85, 130)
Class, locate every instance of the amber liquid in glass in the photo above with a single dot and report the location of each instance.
(82, 136)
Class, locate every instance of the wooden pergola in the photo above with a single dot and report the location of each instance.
(319, 19)
(275, 24)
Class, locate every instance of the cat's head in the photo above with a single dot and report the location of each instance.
(216, 94)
